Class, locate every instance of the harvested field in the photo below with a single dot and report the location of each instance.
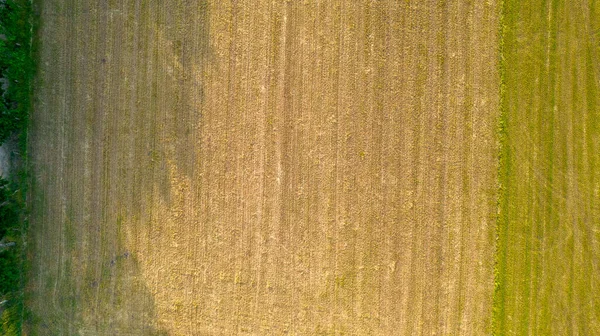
(549, 277)
(279, 167)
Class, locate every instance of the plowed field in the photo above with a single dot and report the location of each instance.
(264, 167)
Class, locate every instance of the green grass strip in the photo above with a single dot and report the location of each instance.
(498, 325)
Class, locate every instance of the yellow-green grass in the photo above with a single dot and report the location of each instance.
(548, 277)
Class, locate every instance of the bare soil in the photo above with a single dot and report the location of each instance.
(264, 168)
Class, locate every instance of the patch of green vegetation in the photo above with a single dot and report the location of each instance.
(17, 68)
(503, 172)
(12, 257)
(548, 132)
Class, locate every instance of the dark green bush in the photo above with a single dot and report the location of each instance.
(10, 272)
(16, 74)
(12, 258)
(16, 66)
(9, 208)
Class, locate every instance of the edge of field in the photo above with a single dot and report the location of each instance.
(14, 314)
(503, 173)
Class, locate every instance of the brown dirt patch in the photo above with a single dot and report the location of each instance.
(281, 167)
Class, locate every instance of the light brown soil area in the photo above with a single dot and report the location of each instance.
(264, 167)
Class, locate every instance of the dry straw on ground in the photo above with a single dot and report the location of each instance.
(265, 167)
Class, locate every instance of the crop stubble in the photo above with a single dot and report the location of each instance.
(276, 167)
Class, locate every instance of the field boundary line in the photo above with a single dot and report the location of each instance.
(503, 173)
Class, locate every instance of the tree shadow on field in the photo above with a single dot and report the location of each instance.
(132, 113)
(150, 78)
(91, 293)
(130, 308)
(183, 40)
(131, 313)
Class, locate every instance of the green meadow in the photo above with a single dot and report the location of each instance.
(548, 253)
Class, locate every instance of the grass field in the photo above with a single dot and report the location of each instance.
(549, 248)
(280, 167)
